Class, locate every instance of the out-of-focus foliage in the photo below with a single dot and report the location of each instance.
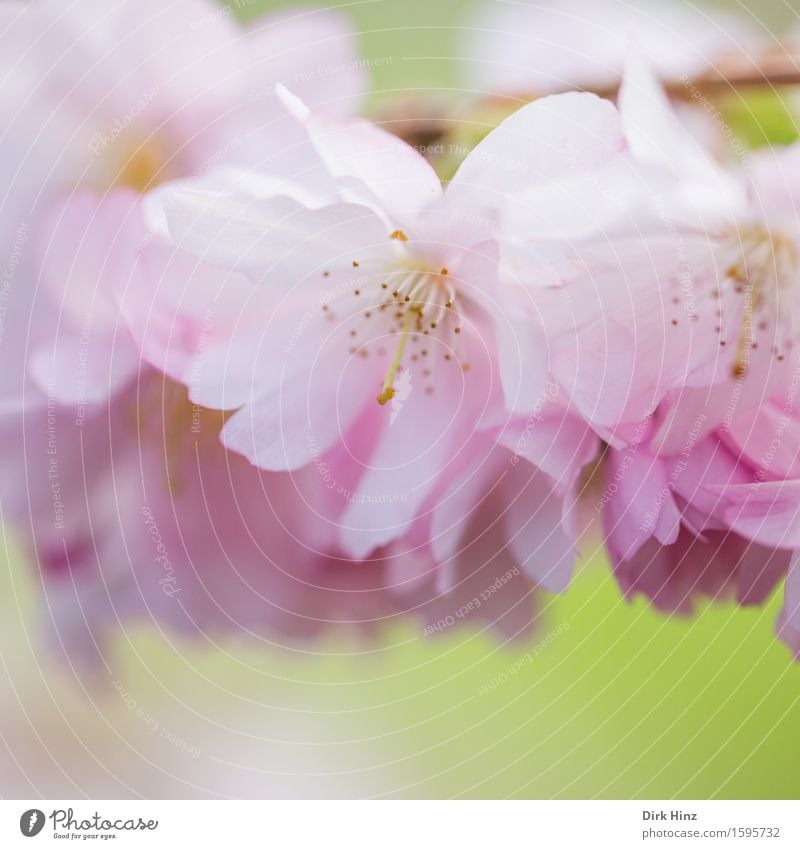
(764, 117)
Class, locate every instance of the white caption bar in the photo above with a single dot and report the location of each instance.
(406, 824)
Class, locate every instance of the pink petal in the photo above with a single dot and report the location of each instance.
(535, 530)
(372, 165)
(311, 51)
(273, 237)
(767, 438)
(90, 253)
(537, 162)
(300, 410)
(90, 259)
(653, 130)
(715, 566)
(640, 503)
(789, 620)
(522, 356)
(405, 466)
(543, 142)
(767, 512)
(456, 506)
(180, 308)
(560, 445)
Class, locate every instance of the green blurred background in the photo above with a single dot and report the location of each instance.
(623, 703)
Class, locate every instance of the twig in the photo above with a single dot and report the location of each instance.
(773, 69)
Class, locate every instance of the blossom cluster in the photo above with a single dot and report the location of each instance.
(265, 373)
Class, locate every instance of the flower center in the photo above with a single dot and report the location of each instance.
(143, 166)
(421, 301)
(413, 299)
(162, 415)
(764, 272)
(131, 161)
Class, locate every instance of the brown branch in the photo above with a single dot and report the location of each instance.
(775, 68)
(778, 67)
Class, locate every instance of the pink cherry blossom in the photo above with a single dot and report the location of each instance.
(744, 292)
(690, 366)
(719, 515)
(397, 356)
(672, 532)
(686, 298)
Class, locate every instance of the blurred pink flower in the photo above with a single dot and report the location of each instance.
(672, 532)
(537, 48)
(178, 533)
(106, 100)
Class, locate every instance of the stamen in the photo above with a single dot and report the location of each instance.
(761, 271)
(388, 392)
